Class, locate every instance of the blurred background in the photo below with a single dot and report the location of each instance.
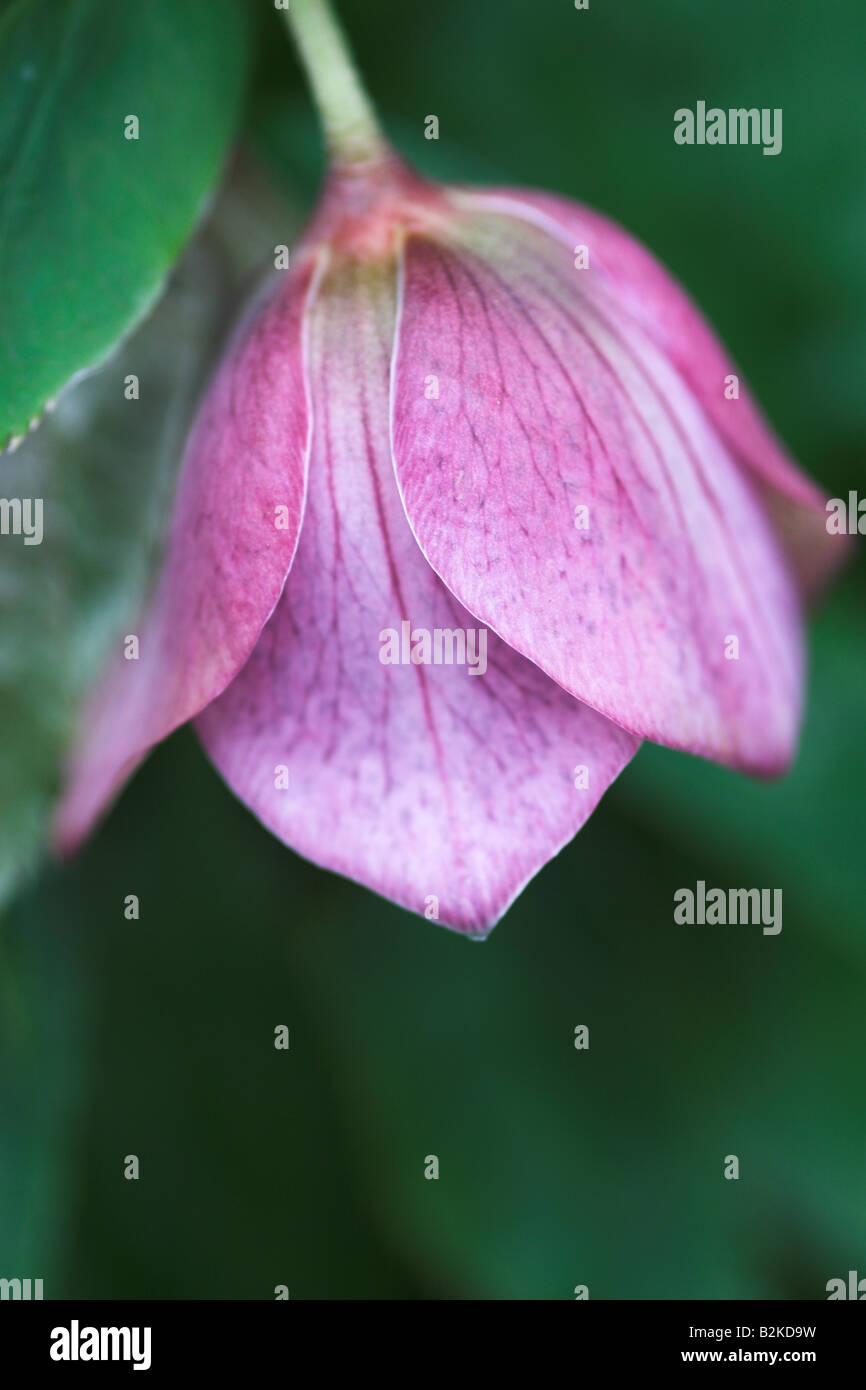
(155, 1037)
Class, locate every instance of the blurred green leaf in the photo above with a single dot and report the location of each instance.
(91, 221)
(44, 1007)
(557, 1166)
(248, 1176)
(603, 1166)
(104, 467)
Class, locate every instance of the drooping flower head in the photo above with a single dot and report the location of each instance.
(474, 504)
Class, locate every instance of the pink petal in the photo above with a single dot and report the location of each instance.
(227, 558)
(630, 276)
(552, 396)
(437, 788)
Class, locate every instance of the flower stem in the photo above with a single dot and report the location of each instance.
(351, 129)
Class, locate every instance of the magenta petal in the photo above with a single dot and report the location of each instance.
(234, 533)
(441, 790)
(666, 604)
(627, 273)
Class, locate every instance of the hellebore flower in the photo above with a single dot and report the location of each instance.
(488, 414)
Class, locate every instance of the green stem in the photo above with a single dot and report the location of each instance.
(351, 129)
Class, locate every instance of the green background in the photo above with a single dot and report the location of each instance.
(558, 1167)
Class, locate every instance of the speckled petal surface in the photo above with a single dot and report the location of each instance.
(440, 789)
(237, 517)
(570, 489)
(627, 273)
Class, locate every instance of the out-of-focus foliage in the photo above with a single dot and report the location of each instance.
(103, 465)
(104, 462)
(557, 1166)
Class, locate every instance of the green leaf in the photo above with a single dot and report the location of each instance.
(91, 221)
(104, 468)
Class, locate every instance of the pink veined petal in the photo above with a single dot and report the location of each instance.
(666, 604)
(233, 537)
(627, 273)
(441, 790)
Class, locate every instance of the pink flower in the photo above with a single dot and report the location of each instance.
(447, 414)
